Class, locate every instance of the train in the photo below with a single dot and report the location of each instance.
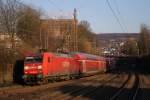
(43, 67)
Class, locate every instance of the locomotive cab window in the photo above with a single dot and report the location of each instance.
(33, 59)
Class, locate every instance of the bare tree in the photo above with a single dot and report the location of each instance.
(28, 27)
(86, 38)
(9, 14)
(144, 40)
(130, 47)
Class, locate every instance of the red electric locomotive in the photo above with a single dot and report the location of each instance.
(55, 66)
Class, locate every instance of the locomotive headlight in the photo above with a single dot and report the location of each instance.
(26, 68)
(40, 67)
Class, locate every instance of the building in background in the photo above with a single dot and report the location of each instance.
(111, 43)
(61, 29)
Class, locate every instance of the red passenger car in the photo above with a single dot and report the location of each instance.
(90, 64)
(56, 66)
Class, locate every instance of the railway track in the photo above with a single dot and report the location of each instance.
(74, 93)
(51, 87)
(104, 91)
(12, 86)
(137, 88)
(125, 93)
(144, 87)
(99, 87)
(69, 88)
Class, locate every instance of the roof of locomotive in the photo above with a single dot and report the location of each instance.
(32, 54)
(78, 55)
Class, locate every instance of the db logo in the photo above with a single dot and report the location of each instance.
(65, 64)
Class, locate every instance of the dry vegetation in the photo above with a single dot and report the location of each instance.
(24, 22)
(22, 25)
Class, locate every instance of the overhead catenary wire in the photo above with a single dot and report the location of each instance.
(51, 2)
(116, 6)
(61, 12)
(120, 15)
(74, 38)
(115, 15)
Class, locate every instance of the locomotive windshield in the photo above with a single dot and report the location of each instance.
(33, 59)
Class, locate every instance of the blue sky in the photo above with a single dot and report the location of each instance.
(131, 13)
